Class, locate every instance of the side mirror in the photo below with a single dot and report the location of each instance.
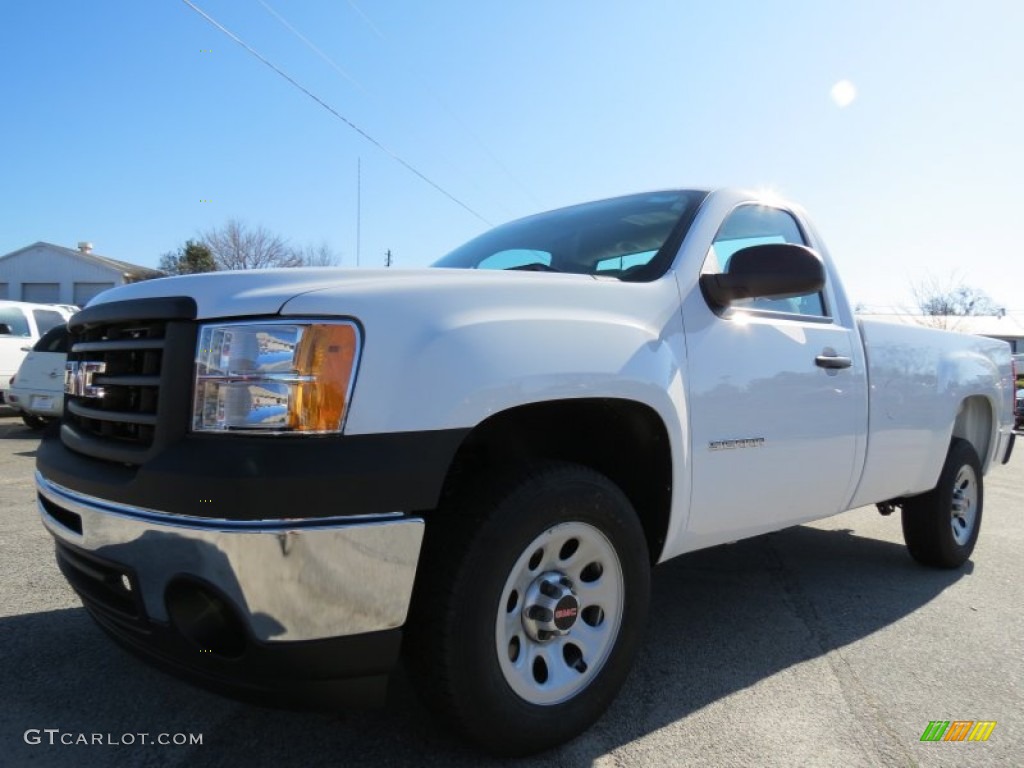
(769, 271)
(5, 329)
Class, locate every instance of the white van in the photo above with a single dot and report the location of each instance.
(21, 326)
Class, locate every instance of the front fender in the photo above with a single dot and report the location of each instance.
(449, 354)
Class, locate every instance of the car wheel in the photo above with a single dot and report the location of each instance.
(530, 605)
(941, 527)
(33, 421)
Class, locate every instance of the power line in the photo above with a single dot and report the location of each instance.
(366, 19)
(451, 113)
(291, 27)
(310, 45)
(333, 111)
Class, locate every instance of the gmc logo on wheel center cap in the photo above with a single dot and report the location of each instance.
(565, 613)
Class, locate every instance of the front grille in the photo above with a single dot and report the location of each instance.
(128, 378)
(125, 387)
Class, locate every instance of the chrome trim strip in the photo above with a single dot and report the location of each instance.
(288, 580)
(69, 499)
(287, 378)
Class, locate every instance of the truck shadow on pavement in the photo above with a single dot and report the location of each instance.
(722, 620)
(15, 430)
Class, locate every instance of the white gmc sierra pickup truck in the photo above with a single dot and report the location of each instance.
(274, 482)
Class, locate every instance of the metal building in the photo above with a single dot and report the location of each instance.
(51, 274)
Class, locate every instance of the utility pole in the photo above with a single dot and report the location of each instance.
(387, 258)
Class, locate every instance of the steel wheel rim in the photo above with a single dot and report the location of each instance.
(964, 509)
(550, 671)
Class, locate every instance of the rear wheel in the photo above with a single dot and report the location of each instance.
(941, 527)
(529, 608)
(33, 421)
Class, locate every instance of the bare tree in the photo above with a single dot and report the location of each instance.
(318, 256)
(943, 302)
(236, 245)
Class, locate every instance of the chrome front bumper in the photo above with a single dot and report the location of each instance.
(288, 580)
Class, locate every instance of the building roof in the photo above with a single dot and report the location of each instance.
(133, 271)
(1005, 326)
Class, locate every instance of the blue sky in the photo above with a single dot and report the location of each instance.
(121, 118)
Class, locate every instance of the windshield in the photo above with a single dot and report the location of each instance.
(632, 238)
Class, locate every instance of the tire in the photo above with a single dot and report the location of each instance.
(941, 527)
(33, 421)
(516, 638)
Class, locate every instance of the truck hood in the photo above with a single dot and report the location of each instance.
(266, 292)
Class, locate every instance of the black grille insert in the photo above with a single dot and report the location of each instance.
(102, 585)
(128, 378)
(119, 398)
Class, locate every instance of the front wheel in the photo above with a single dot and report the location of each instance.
(532, 599)
(941, 527)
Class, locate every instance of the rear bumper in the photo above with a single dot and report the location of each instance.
(28, 401)
(291, 612)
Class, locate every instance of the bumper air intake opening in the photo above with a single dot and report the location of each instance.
(204, 618)
(70, 520)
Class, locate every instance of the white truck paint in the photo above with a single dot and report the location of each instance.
(739, 415)
(447, 349)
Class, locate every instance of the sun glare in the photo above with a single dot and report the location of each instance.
(843, 93)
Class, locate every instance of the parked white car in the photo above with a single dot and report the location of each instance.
(37, 389)
(21, 326)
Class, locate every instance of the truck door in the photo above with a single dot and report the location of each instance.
(777, 398)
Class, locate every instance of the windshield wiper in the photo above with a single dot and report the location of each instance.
(533, 266)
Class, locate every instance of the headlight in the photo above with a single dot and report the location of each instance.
(274, 376)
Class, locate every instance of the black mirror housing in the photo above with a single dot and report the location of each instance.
(768, 271)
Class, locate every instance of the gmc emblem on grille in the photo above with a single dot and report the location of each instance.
(78, 376)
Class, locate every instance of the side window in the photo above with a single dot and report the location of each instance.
(755, 225)
(47, 319)
(54, 340)
(15, 318)
(516, 257)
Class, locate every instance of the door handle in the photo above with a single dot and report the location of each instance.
(833, 362)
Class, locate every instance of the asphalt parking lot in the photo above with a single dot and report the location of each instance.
(822, 645)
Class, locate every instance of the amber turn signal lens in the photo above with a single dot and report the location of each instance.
(327, 354)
